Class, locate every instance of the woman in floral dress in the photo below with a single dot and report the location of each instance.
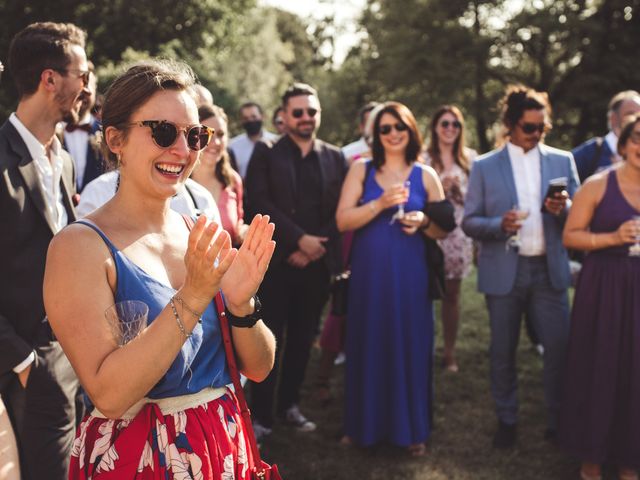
(162, 406)
(449, 156)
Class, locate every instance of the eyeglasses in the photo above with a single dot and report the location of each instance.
(165, 133)
(386, 129)
(530, 128)
(83, 74)
(447, 123)
(298, 112)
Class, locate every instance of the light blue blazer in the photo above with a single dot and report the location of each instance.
(491, 193)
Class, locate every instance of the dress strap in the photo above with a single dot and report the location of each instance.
(111, 246)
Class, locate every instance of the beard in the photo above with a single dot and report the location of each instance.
(303, 131)
(69, 109)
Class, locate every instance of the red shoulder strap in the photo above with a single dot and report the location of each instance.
(245, 413)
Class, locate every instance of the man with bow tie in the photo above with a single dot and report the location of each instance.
(82, 139)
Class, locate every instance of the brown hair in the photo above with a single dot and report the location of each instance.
(459, 154)
(404, 115)
(135, 87)
(625, 134)
(516, 100)
(38, 47)
(223, 171)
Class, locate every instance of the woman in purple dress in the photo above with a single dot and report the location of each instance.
(600, 415)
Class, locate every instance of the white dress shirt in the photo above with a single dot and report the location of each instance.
(49, 170)
(526, 175)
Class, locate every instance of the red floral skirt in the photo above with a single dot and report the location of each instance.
(206, 442)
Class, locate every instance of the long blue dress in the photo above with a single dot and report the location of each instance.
(389, 341)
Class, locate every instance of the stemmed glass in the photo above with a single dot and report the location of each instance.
(126, 320)
(514, 240)
(400, 213)
(634, 250)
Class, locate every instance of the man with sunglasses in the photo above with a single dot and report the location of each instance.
(523, 267)
(37, 384)
(601, 152)
(297, 182)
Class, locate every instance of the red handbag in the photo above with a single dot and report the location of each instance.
(259, 470)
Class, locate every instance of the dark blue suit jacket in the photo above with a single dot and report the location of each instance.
(584, 156)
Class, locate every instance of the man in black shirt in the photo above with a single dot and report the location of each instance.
(297, 182)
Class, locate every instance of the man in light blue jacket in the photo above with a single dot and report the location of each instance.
(516, 206)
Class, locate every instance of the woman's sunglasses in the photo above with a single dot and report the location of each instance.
(165, 133)
(447, 123)
(386, 129)
(298, 112)
(530, 128)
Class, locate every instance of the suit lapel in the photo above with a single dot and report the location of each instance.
(29, 173)
(66, 181)
(507, 174)
(545, 171)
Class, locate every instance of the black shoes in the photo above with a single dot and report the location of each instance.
(505, 436)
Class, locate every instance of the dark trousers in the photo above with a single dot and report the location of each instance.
(548, 310)
(292, 301)
(43, 414)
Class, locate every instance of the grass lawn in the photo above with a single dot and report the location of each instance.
(460, 446)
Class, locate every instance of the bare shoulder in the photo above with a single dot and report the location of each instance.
(594, 187)
(78, 245)
(428, 172)
(431, 182)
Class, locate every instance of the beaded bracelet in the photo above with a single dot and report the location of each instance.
(193, 312)
(178, 321)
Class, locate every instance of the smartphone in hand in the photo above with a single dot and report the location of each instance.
(556, 185)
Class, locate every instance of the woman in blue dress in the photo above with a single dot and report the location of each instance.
(389, 340)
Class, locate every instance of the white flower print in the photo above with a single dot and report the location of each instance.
(242, 455)
(108, 460)
(228, 473)
(79, 443)
(196, 466)
(180, 422)
(147, 457)
(179, 467)
(163, 439)
(101, 445)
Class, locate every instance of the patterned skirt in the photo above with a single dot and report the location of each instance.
(203, 442)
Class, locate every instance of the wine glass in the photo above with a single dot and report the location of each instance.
(634, 250)
(514, 240)
(400, 213)
(126, 320)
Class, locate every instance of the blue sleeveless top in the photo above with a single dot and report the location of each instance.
(201, 362)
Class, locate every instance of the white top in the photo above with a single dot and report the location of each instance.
(357, 148)
(526, 175)
(242, 147)
(100, 190)
(77, 145)
(49, 171)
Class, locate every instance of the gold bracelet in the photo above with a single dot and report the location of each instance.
(193, 312)
(183, 330)
(372, 207)
(593, 240)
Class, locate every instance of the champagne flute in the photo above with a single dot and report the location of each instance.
(400, 213)
(514, 240)
(126, 320)
(634, 250)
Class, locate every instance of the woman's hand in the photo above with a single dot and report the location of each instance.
(628, 232)
(241, 281)
(412, 221)
(206, 244)
(392, 196)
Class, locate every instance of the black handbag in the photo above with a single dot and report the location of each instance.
(435, 265)
(340, 293)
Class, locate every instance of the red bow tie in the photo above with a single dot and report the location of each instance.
(85, 126)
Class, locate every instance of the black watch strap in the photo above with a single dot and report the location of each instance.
(248, 321)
